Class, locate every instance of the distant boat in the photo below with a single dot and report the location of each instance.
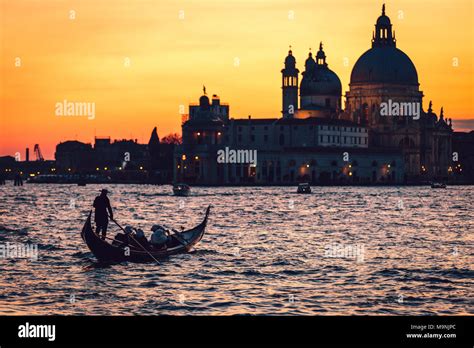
(182, 190)
(438, 185)
(304, 188)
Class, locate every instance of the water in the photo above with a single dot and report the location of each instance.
(408, 250)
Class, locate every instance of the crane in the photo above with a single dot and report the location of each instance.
(39, 156)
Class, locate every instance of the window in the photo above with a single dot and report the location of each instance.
(265, 138)
(328, 102)
(240, 129)
(252, 138)
(239, 138)
(282, 139)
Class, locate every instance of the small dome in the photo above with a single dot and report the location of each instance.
(318, 79)
(204, 100)
(383, 21)
(323, 81)
(290, 59)
(384, 64)
(309, 63)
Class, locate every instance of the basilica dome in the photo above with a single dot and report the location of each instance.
(384, 62)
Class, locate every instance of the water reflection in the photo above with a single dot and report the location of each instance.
(266, 251)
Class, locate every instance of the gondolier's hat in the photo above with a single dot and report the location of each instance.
(104, 191)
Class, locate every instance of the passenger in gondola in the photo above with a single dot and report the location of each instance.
(102, 206)
(159, 237)
(124, 239)
(141, 239)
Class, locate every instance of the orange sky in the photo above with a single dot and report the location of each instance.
(171, 57)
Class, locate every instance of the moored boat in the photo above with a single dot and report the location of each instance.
(438, 185)
(182, 190)
(179, 242)
(304, 188)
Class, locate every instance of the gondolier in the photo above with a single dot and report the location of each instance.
(101, 218)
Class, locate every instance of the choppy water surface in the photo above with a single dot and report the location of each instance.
(265, 252)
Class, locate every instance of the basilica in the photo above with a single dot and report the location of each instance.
(317, 140)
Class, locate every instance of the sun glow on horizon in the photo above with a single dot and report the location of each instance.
(142, 62)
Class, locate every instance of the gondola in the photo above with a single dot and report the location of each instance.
(106, 252)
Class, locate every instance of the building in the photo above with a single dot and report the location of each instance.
(122, 160)
(289, 150)
(385, 74)
(383, 130)
(462, 169)
(74, 154)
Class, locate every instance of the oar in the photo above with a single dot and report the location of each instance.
(135, 241)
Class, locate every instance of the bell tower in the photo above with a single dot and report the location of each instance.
(289, 86)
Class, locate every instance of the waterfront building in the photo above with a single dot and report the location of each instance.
(385, 74)
(315, 139)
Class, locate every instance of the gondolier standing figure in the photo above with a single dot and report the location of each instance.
(102, 205)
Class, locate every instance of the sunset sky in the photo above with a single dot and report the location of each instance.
(53, 50)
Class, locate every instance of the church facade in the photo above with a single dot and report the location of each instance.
(382, 136)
